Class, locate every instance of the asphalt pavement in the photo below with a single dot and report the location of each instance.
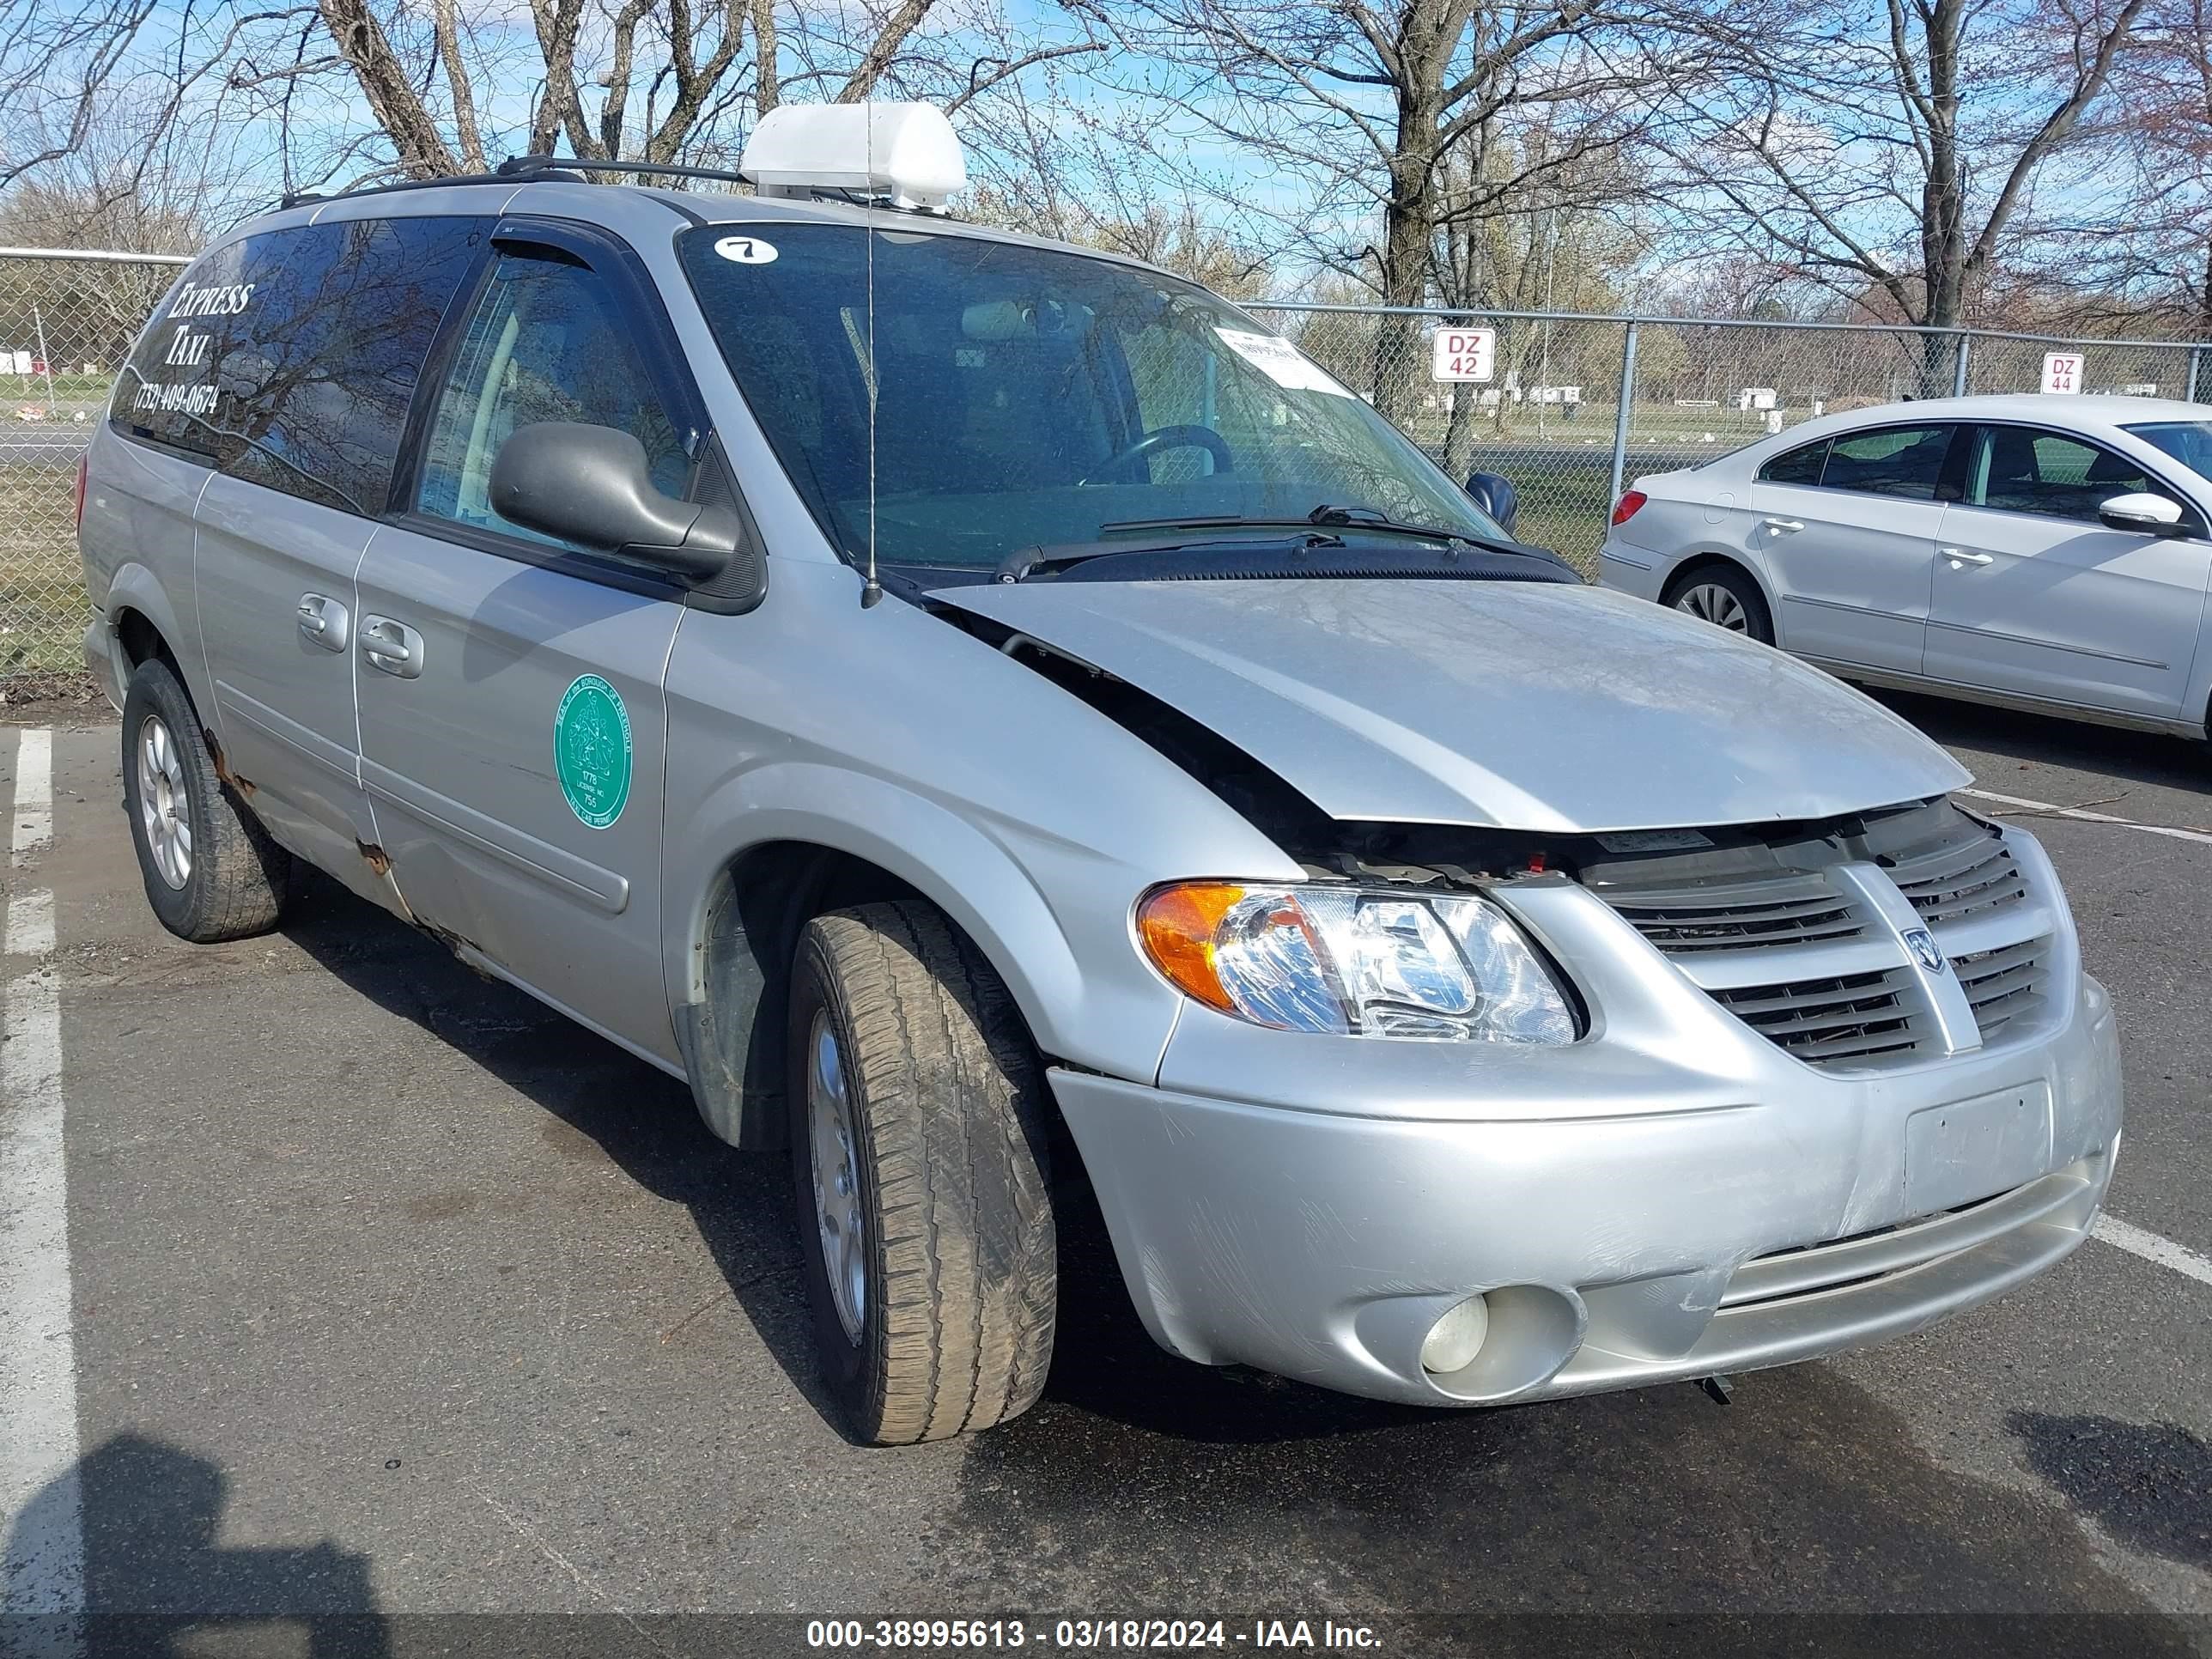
(397, 1312)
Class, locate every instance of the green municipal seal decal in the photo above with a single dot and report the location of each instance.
(590, 749)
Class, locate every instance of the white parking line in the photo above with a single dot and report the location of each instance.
(30, 923)
(41, 1505)
(32, 816)
(2087, 816)
(2151, 1248)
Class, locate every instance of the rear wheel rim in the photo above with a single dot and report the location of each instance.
(1711, 601)
(841, 1229)
(164, 808)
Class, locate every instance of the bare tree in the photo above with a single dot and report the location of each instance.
(1352, 112)
(2152, 266)
(1889, 155)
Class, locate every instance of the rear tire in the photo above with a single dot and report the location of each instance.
(211, 871)
(1725, 596)
(916, 1093)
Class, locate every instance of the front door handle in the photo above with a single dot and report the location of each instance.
(1958, 556)
(392, 647)
(324, 622)
(1786, 525)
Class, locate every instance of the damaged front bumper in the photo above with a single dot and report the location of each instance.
(1672, 1196)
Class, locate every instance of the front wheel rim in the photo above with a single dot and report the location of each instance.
(1711, 601)
(841, 1229)
(164, 807)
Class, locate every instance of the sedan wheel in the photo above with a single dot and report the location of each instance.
(1709, 602)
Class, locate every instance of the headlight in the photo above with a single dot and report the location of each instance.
(1354, 960)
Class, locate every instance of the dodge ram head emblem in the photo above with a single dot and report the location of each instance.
(1925, 951)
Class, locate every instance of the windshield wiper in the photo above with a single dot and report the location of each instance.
(1327, 517)
(1028, 562)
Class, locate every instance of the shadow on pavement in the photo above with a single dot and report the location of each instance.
(641, 1118)
(157, 1584)
(2149, 1485)
(2105, 751)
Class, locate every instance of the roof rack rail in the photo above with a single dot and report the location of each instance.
(529, 166)
(521, 169)
(301, 197)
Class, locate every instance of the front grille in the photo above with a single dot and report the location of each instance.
(1807, 940)
(1852, 1017)
(2004, 983)
(1965, 879)
(1797, 913)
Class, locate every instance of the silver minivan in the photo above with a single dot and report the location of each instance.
(995, 717)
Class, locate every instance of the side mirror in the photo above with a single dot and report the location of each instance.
(2151, 515)
(593, 486)
(1495, 496)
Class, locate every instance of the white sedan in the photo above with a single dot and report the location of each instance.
(2044, 553)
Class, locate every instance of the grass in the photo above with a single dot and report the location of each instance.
(42, 603)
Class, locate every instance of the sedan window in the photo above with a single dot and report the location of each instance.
(2019, 469)
(2188, 443)
(1801, 465)
(1896, 460)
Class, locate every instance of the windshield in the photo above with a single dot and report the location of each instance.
(2188, 443)
(1027, 398)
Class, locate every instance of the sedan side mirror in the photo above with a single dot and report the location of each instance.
(2151, 515)
(592, 485)
(1495, 496)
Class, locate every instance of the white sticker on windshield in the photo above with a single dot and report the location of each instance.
(746, 250)
(1281, 362)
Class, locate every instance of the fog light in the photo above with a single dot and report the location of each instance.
(1455, 1340)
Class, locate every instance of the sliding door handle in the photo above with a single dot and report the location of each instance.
(1958, 556)
(392, 647)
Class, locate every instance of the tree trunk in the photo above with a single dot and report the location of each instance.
(361, 40)
(1408, 233)
(1943, 203)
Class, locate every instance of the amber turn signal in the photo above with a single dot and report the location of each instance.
(1178, 926)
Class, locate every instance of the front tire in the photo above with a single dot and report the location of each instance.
(211, 871)
(1726, 596)
(918, 1149)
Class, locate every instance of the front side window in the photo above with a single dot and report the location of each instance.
(546, 342)
(2019, 469)
(1026, 397)
(2188, 443)
(1795, 467)
(1906, 461)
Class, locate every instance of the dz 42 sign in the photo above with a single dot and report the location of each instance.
(2062, 371)
(1463, 353)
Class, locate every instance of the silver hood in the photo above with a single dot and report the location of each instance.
(1520, 705)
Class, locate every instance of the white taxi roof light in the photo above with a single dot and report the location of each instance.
(907, 152)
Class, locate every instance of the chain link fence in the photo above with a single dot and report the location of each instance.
(67, 320)
(1572, 405)
(1569, 408)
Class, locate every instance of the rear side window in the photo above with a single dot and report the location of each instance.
(288, 359)
(1801, 465)
(1906, 461)
(167, 390)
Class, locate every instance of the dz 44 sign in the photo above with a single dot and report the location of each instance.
(2062, 371)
